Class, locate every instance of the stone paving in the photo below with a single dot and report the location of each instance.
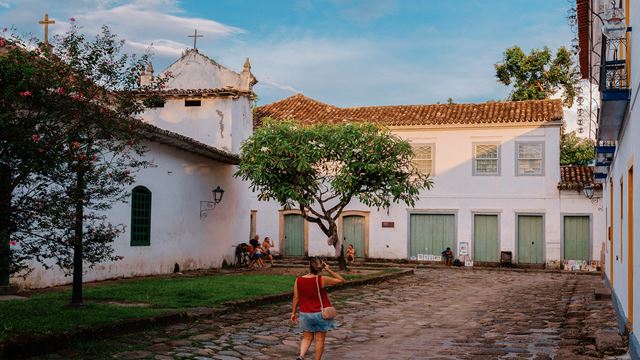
(435, 314)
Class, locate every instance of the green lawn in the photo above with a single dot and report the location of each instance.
(48, 312)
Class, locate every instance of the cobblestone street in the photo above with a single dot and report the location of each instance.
(434, 314)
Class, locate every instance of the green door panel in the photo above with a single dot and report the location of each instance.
(293, 235)
(431, 234)
(485, 238)
(576, 238)
(530, 239)
(353, 232)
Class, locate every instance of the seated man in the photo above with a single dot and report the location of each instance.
(447, 256)
(351, 254)
(266, 247)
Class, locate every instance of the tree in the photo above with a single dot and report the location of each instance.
(575, 150)
(538, 75)
(90, 144)
(319, 169)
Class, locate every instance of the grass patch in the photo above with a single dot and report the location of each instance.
(48, 312)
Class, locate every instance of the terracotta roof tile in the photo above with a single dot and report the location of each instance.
(576, 177)
(310, 111)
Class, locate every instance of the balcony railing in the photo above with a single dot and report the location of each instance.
(614, 87)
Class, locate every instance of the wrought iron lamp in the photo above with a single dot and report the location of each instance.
(210, 205)
(588, 191)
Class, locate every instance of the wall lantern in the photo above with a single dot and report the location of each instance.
(210, 205)
(588, 191)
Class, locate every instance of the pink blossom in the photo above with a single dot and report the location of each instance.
(72, 19)
(35, 138)
(75, 144)
(2, 42)
(60, 90)
(25, 93)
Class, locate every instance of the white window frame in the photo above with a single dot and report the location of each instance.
(517, 157)
(475, 171)
(433, 156)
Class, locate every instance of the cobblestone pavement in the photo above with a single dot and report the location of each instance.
(435, 314)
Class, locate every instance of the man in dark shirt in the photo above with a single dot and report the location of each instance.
(254, 242)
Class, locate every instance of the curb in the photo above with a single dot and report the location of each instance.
(418, 265)
(32, 345)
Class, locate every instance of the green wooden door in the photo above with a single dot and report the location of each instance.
(430, 234)
(485, 238)
(576, 238)
(530, 239)
(293, 235)
(353, 232)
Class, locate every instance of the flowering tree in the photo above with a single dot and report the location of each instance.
(319, 169)
(83, 127)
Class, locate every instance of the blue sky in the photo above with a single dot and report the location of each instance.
(343, 52)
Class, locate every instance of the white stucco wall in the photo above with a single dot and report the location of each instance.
(221, 122)
(627, 155)
(178, 235)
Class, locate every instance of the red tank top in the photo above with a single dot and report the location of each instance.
(308, 295)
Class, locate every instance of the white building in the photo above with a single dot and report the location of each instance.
(193, 141)
(498, 187)
(607, 25)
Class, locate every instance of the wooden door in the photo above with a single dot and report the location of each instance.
(576, 238)
(293, 235)
(530, 239)
(353, 230)
(431, 234)
(485, 238)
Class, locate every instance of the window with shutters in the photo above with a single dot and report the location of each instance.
(140, 216)
(486, 159)
(423, 160)
(529, 158)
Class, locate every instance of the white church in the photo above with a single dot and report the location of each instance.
(498, 184)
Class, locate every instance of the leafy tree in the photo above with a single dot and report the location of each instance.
(82, 128)
(319, 169)
(538, 75)
(575, 150)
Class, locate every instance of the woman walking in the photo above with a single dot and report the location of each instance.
(309, 293)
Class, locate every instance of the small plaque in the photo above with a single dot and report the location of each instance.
(388, 224)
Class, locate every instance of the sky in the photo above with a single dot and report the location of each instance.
(343, 52)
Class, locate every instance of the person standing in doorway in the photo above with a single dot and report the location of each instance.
(310, 295)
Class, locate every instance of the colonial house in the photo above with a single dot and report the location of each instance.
(498, 187)
(608, 59)
(173, 221)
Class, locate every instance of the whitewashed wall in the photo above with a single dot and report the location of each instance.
(178, 235)
(220, 122)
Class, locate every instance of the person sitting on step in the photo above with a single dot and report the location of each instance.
(351, 254)
(447, 256)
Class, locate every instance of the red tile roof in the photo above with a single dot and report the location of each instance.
(310, 111)
(575, 177)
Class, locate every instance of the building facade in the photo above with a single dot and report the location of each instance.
(192, 139)
(608, 58)
(497, 187)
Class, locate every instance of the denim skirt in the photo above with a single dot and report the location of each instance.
(314, 322)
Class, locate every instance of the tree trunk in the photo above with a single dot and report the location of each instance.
(5, 226)
(76, 295)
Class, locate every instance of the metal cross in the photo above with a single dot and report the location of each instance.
(46, 22)
(195, 37)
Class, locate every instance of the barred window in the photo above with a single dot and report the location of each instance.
(486, 159)
(530, 157)
(423, 159)
(140, 216)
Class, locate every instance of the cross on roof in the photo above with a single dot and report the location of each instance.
(195, 37)
(46, 22)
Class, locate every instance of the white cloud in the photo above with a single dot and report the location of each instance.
(161, 47)
(132, 19)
